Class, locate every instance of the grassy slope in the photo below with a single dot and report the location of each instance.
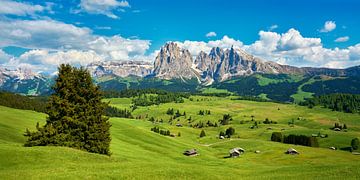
(301, 95)
(141, 154)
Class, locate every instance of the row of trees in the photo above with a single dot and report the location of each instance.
(349, 103)
(295, 139)
(204, 112)
(161, 131)
(115, 112)
(148, 100)
(128, 93)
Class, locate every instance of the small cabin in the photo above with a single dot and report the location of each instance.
(292, 151)
(191, 152)
(236, 152)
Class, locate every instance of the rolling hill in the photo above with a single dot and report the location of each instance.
(138, 153)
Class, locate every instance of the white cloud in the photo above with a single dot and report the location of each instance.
(275, 26)
(328, 26)
(104, 7)
(211, 34)
(294, 49)
(54, 35)
(342, 39)
(196, 46)
(57, 40)
(9, 7)
(4, 57)
(47, 34)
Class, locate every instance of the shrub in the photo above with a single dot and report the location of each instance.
(230, 131)
(355, 143)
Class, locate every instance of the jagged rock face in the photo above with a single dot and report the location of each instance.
(174, 62)
(220, 65)
(120, 69)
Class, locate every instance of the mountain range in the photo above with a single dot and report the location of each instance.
(176, 66)
(173, 62)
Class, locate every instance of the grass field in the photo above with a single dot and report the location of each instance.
(138, 153)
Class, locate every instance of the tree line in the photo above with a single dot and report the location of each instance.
(349, 103)
(295, 139)
(23, 102)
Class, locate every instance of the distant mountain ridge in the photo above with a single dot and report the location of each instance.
(175, 68)
(223, 64)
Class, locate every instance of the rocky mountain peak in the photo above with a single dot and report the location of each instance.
(174, 62)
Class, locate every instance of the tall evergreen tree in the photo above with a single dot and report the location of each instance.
(75, 114)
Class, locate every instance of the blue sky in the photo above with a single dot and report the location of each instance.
(301, 33)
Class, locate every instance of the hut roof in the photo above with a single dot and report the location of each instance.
(190, 152)
(292, 150)
(237, 150)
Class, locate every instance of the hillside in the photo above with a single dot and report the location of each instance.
(135, 147)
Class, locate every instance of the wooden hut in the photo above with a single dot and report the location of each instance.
(191, 152)
(236, 152)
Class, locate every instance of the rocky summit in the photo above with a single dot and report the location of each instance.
(174, 62)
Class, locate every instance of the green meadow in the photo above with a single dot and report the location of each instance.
(138, 153)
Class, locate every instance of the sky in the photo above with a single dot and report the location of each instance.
(40, 35)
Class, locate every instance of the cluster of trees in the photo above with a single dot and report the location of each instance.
(115, 112)
(204, 112)
(23, 102)
(339, 126)
(349, 103)
(228, 132)
(295, 139)
(161, 131)
(148, 100)
(176, 113)
(267, 121)
(207, 124)
(226, 119)
(75, 115)
(128, 93)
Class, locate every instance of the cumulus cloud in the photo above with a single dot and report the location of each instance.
(53, 40)
(294, 49)
(342, 39)
(328, 26)
(104, 7)
(9, 7)
(211, 34)
(195, 47)
(4, 57)
(55, 35)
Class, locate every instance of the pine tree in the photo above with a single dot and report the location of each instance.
(202, 133)
(75, 115)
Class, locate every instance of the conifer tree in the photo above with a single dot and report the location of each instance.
(75, 114)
